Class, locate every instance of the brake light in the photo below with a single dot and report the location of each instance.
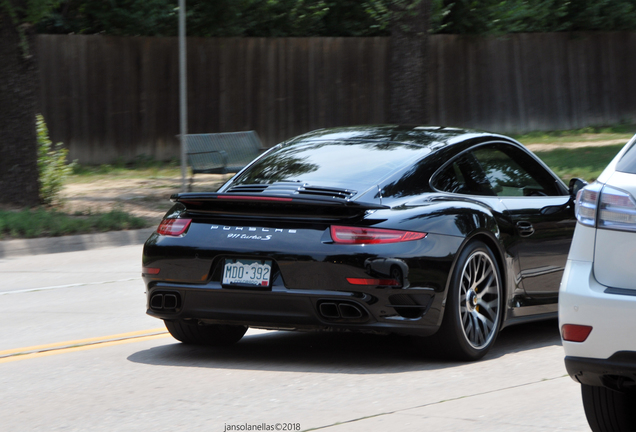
(575, 333)
(253, 198)
(173, 227)
(358, 235)
(373, 282)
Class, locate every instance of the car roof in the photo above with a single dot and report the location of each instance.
(431, 137)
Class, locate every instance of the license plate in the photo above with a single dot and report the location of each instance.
(247, 272)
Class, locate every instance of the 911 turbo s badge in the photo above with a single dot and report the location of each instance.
(234, 232)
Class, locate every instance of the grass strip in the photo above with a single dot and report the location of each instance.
(42, 222)
(588, 134)
(585, 162)
(141, 167)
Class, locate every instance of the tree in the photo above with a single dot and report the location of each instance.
(409, 64)
(218, 18)
(284, 18)
(528, 16)
(18, 99)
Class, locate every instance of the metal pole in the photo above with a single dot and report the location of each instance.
(183, 95)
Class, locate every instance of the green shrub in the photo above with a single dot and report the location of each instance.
(52, 166)
(48, 222)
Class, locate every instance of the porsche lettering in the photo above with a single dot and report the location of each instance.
(252, 229)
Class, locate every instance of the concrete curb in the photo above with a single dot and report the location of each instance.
(21, 247)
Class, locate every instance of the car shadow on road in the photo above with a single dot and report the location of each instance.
(337, 352)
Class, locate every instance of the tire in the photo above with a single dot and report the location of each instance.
(191, 332)
(472, 316)
(608, 410)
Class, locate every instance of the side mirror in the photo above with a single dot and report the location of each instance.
(576, 184)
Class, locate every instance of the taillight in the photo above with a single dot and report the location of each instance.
(173, 227)
(587, 203)
(357, 235)
(617, 210)
(575, 333)
(606, 207)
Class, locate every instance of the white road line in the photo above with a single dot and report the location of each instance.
(69, 286)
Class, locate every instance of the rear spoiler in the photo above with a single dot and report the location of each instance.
(272, 206)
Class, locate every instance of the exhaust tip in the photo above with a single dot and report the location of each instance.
(329, 310)
(349, 311)
(156, 301)
(165, 301)
(341, 311)
(169, 301)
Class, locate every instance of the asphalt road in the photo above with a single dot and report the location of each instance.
(78, 353)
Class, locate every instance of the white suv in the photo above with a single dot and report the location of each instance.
(597, 300)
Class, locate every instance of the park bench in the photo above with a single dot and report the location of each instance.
(222, 153)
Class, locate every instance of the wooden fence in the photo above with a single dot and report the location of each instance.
(529, 82)
(111, 98)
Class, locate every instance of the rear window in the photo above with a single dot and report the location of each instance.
(627, 164)
(347, 164)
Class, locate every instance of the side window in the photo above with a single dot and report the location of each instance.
(465, 176)
(627, 164)
(450, 180)
(496, 169)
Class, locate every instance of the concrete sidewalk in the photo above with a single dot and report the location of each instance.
(21, 247)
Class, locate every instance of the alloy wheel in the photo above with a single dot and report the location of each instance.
(479, 300)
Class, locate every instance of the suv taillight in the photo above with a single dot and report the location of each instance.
(587, 203)
(617, 210)
(606, 207)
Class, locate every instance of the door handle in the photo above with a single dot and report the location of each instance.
(525, 228)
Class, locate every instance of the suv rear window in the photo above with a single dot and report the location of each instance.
(627, 164)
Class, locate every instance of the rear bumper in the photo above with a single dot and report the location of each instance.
(308, 271)
(282, 308)
(612, 316)
(617, 372)
(607, 358)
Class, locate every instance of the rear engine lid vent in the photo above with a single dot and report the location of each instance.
(284, 188)
(324, 191)
(279, 188)
(248, 188)
(293, 188)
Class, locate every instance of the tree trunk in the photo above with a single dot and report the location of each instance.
(18, 141)
(409, 64)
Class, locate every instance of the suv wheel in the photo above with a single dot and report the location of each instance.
(608, 410)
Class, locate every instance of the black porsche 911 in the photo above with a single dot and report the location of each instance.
(434, 232)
